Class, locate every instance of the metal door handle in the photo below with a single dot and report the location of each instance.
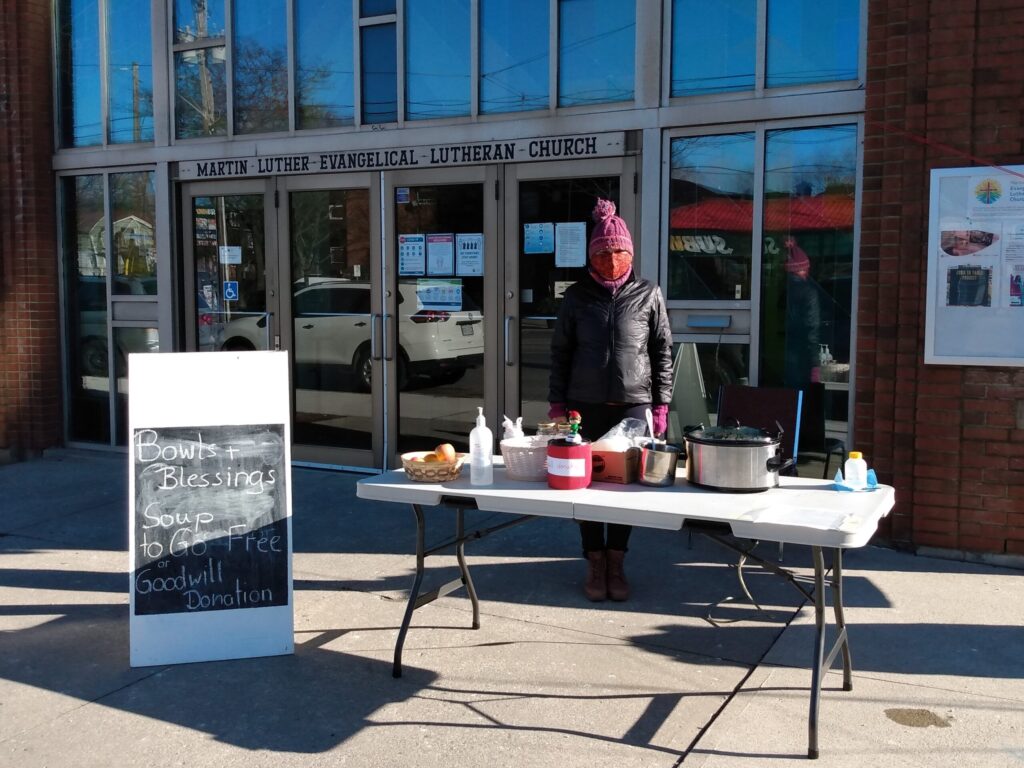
(374, 354)
(389, 354)
(508, 327)
(307, 327)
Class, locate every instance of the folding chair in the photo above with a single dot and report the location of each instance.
(813, 440)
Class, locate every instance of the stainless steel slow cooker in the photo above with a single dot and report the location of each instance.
(736, 459)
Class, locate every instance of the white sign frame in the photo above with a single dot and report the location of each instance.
(196, 389)
(973, 335)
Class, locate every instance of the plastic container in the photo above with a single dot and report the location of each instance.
(855, 471)
(570, 465)
(481, 452)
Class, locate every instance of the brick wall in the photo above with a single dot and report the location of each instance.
(30, 401)
(945, 85)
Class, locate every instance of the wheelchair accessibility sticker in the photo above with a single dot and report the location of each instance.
(230, 290)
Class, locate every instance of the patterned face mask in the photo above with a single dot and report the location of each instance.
(611, 265)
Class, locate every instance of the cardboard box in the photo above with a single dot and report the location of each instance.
(616, 466)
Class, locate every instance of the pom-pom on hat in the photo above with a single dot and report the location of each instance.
(611, 232)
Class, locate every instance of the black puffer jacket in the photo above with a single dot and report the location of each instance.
(611, 349)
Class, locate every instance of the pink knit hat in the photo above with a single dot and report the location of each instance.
(611, 232)
(797, 260)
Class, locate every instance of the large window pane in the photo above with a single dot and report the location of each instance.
(711, 217)
(133, 241)
(379, 74)
(200, 101)
(713, 46)
(810, 182)
(376, 7)
(129, 71)
(596, 51)
(513, 55)
(198, 20)
(324, 81)
(812, 41)
(436, 58)
(79, 74)
(129, 341)
(260, 60)
(85, 264)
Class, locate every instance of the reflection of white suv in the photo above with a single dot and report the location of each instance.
(332, 328)
(92, 324)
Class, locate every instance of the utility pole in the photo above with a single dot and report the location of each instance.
(136, 117)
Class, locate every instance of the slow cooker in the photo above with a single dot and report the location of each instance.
(736, 459)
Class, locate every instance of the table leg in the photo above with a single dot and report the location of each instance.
(460, 554)
(396, 668)
(837, 606)
(819, 651)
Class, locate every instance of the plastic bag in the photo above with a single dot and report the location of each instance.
(626, 434)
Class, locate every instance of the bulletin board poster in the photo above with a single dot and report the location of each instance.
(412, 254)
(975, 309)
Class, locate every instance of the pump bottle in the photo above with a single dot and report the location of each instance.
(481, 452)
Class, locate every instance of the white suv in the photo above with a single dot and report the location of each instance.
(332, 328)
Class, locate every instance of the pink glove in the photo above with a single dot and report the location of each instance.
(815, 374)
(556, 411)
(659, 414)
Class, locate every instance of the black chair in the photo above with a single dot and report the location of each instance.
(768, 408)
(814, 443)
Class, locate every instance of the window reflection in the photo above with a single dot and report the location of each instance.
(133, 241)
(376, 7)
(812, 41)
(260, 66)
(129, 72)
(436, 58)
(711, 217)
(810, 184)
(713, 46)
(596, 49)
(513, 55)
(200, 95)
(198, 20)
(79, 76)
(379, 74)
(85, 264)
(324, 79)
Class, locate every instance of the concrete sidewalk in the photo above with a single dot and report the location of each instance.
(548, 680)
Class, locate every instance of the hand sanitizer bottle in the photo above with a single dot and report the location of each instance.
(855, 471)
(481, 452)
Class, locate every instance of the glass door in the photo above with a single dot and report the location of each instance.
(439, 306)
(548, 213)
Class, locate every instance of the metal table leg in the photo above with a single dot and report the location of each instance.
(823, 663)
(396, 668)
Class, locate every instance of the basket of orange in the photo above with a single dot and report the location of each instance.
(436, 466)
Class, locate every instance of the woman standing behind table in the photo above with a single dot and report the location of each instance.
(611, 357)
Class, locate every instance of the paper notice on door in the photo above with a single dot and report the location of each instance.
(230, 254)
(571, 244)
(538, 238)
(440, 254)
(412, 254)
(469, 255)
(439, 295)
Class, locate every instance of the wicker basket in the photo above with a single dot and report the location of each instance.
(431, 471)
(526, 458)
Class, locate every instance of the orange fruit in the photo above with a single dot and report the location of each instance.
(445, 452)
(431, 457)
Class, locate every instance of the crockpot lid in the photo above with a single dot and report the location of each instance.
(738, 434)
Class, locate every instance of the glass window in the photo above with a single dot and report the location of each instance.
(810, 182)
(513, 55)
(200, 95)
(129, 72)
(79, 75)
(198, 20)
(260, 66)
(129, 341)
(713, 46)
(379, 74)
(133, 241)
(376, 7)
(812, 41)
(711, 217)
(436, 58)
(85, 264)
(596, 51)
(324, 80)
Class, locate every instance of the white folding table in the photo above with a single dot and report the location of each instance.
(799, 511)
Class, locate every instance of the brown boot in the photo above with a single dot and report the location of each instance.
(618, 587)
(596, 586)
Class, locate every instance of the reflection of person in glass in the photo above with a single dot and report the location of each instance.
(611, 358)
(134, 262)
(803, 320)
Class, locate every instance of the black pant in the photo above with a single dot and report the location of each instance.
(598, 418)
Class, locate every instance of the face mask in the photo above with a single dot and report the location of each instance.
(612, 265)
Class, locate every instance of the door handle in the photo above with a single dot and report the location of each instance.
(307, 327)
(360, 324)
(374, 354)
(508, 332)
(389, 354)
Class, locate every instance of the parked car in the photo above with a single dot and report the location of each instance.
(332, 328)
(92, 325)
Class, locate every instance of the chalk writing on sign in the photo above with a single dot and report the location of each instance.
(211, 527)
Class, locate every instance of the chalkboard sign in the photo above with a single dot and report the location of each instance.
(209, 506)
(211, 529)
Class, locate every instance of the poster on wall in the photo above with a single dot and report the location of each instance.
(975, 267)
(539, 238)
(412, 254)
(440, 254)
(469, 254)
(571, 244)
(439, 295)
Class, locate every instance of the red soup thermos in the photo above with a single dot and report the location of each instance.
(569, 464)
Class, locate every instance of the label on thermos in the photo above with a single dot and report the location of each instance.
(567, 467)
